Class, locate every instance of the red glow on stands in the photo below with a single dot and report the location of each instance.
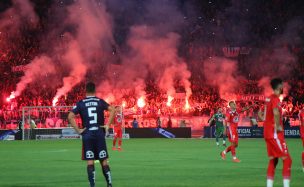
(141, 102)
(170, 98)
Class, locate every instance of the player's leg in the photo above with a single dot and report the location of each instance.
(119, 135)
(114, 139)
(228, 149)
(234, 145)
(217, 135)
(106, 172)
(91, 172)
(272, 150)
(88, 155)
(287, 162)
(224, 136)
(102, 156)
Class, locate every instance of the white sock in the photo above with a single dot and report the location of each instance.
(224, 142)
(217, 143)
(286, 182)
(224, 152)
(234, 157)
(269, 183)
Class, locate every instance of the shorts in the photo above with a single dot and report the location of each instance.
(276, 147)
(94, 145)
(219, 131)
(233, 135)
(117, 132)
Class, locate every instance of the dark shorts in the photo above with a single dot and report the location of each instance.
(94, 145)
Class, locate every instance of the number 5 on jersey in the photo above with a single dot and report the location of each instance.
(92, 113)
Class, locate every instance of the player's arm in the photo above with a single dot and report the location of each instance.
(211, 119)
(276, 114)
(112, 111)
(261, 115)
(72, 121)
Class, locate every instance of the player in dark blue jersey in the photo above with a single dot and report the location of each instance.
(91, 110)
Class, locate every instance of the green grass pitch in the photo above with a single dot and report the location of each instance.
(144, 163)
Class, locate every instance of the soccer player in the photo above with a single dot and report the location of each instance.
(301, 117)
(91, 110)
(220, 129)
(117, 129)
(274, 135)
(231, 123)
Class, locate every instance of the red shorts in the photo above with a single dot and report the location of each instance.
(233, 135)
(117, 132)
(276, 147)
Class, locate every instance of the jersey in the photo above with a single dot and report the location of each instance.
(301, 118)
(219, 119)
(118, 120)
(233, 117)
(269, 124)
(91, 110)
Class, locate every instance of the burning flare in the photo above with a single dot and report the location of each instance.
(12, 96)
(55, 100)
(141, 102)
(187, 105)
(170, 99)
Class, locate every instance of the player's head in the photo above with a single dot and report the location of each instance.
(90, 88)
(220, 110)
(277, 86)
(232, 104)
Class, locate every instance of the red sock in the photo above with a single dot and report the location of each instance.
(272, 164)
(287, 167)
(228, 149)
(114, 142)
(233, 151)
(119, 143)
(303, 159)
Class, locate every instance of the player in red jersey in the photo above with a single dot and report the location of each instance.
(301, 117)
(117, 129)
(274, 135)
(231, 123)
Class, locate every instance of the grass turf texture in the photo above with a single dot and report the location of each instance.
(144, 162)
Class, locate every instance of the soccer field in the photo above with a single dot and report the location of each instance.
(144, 163)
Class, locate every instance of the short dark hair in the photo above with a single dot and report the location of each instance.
(275, 83)
(90, 87)
(231, 102)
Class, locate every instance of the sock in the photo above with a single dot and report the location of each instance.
(269, 182)
(228, 149)
(303, 159)
(224, 138)
(119, 143)
(233, 152)
(272, 164)
(91, 175)
(114, 142)
(286, 182)
(286, 168)
(217, 140)
(107, 174)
